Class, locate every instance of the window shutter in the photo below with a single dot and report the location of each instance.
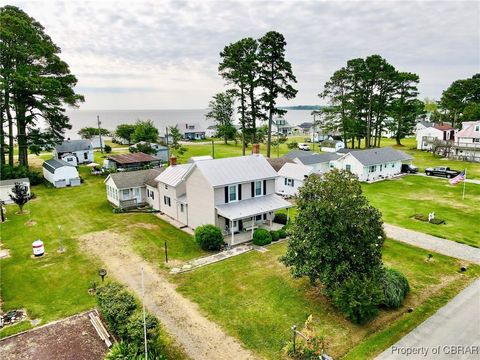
(253, 189)
(239, 191)
(285, 181)
(264, 187)
(226, 194)
(293, 183)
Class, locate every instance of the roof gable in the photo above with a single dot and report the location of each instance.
(52, 164)
(469, 131)
(174, 174)
(295, 171)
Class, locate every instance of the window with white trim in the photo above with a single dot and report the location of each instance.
(348, 167)
(182, 207)
(167, 201)
(232, 193)
(372, 168)
(289, 182)
(258, 188)
(125, 193)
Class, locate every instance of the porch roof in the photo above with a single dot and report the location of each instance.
(253, 206)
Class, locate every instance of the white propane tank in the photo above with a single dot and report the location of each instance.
(38, 248)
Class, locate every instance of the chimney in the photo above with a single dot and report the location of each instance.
(173, 160)
(256, 149)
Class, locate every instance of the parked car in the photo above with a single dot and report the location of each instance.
(303, 146)
(441, 171)
(409, 169)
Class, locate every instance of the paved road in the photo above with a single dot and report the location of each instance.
(433, 243)
(453, 329)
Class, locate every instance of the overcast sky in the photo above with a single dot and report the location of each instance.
(164, 54)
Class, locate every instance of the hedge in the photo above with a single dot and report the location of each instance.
(262, 237)
(209, 237)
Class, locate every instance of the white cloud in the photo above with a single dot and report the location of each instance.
(164, 54)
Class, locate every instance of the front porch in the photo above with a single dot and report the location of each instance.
(244, 235)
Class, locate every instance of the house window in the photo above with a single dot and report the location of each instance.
(477, 128)
(476, 140)
(393, 165)
(181, 207)
(152, 194)
(232, 193)
(332, 166)
(372, 168)
(258, 218)
(85, 156)
(258, 188)
(166, 187)
(348, 167)
(125, 193)
(166, 201)
(381, 167)
(136, 191)
(289, 182)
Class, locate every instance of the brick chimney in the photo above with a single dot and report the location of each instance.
(173, 160)
(255, 149)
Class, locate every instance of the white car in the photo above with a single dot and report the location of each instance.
(303, 146)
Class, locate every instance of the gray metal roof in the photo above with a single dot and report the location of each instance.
(13, 181)
(129, 179)
(184, 128)
(73, 145)
(53, 164)
(379, 156)
(318, 158)
(297, 153)
(253, 206)
(173, 175)
(234, 170)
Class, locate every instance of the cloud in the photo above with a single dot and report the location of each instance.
(170, 49)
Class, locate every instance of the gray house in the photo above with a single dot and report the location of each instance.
(81, 150)
(191, 131)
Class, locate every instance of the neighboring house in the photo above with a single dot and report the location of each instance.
(277, 163)
(332, 145)
(161, 151)
(211, 131)
(295, 153)
(422, 124)
(373, 164)
(6, 188)
(426, 137)
(319, 136)
(320, 163)
(467, 141)
(133, 188)
(69, 158)
(291, 177)
(282, 126)
(303, 128)
(60, 173)
(134, 161)
(236, 194)
(191, 131)
(81, 149)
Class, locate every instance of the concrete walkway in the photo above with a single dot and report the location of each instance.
(453, 332)
(433, 243)
(207, 260)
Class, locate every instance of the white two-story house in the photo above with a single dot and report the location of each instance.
(236, 194)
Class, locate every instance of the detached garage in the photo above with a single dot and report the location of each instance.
(60, 173)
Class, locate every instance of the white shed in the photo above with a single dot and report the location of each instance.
(60, 173)
(7, 185)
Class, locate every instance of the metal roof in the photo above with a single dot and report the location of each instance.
(53, 164)
(469, 131)
(253, 206)
(74, 145)
(295, 171)
(379, 156)
(297, 153)
(129, 179)
(199, 158)
(133, 158)
(318, 158)
(233, 170)
(173, 175)
(14, 181)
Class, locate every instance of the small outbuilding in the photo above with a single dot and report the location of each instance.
(332, 145)
(60, 173)
(6, 187)
(134, 161)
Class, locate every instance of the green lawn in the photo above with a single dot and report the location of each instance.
(400, 199)
(56, 285)
(255, 299)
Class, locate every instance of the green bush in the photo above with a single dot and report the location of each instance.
(209, 237)
(116, 305)
(395, 288)
(262, 237)
(134, 329)
(123, 350)
(17, 172)
(358, 298)
(282, 233)
(108, 149)
(275, 235)
(280, 218)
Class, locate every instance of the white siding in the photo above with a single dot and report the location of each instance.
(64, 173)
(112, 192)
(428, 132)
(288, 189)
(201, 200)
(6, 190)
(367, 173)
(153, 197)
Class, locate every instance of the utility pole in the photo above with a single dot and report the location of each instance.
(100, 133)
(144, 321)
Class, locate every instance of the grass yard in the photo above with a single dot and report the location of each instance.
(400, 199)
(255, 299)
(56, 285)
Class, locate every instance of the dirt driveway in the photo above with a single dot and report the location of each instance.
(200, 337)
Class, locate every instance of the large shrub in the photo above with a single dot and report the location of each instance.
(262, 237)
(282, 233)
(209, 237)
(280, 218)
(395, 288)
(358, 298)
(116, 305)
(275, 235)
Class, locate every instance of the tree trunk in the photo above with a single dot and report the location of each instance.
(2, 140)
(10, 128)
(22, 136)
(242, 105)
(269, 135)
(252, 106)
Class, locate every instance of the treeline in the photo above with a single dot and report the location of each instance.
(35, 84)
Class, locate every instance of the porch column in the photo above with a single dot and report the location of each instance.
(231, 230)
(253, 224)
(271, 220)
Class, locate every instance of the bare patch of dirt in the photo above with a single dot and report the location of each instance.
(4, 253)
(201, 338)
(30, 223)
(144, 226)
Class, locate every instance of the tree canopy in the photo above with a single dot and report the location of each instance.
(125, 132)
(222, 112)
(461, 101)
(91, 132)
(146, 131)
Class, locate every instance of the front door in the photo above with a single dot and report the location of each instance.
(234, 227)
